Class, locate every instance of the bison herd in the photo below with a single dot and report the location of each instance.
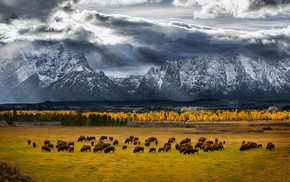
(107, 145)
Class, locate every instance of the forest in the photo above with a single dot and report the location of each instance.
(73, 118)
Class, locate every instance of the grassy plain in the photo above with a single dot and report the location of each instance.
(228, 165)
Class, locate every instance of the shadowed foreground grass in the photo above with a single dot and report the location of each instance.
(227, 165)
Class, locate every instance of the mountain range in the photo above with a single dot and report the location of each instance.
(56, 74)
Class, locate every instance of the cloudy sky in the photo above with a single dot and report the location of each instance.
(124, 37)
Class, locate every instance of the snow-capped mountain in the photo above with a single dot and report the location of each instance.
(57, 75)
(213, 77)
(130, 84)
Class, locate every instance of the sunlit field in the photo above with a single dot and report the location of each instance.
(124, 165)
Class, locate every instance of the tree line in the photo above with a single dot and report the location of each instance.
(73, 118)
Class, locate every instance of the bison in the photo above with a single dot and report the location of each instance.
(128, 140)
(202, 139)
(111, 138)
(81, 138)
(85, 148)
(34, 144)
(90, 138)
(45, 148)
(71, 143)
(97, 148)
(138, 149)
(161, 149)
(115, 142)
(124, 147)
(198, 145)
(245, 147)
(270, 146)
(63, 148)
(29, 142)
(167, 148)
(207, 148)
(152, 150)
(46, 142)
(109, 149)
(190, 151)
(71, 149)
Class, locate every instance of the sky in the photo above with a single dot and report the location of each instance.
(127, 37)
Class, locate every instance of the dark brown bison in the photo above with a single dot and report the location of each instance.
(202, 139)
(167, 148)
(131, 137)
(210, 142)
(167, 144)
(138, 149)
(182, 149)
(270, 146)
(198, 145)
(115, 142)
(61, 141)
(207, 148)
(252, 145)
(128, 140)
(45, 148)
(218, 146)
(109, 149)
(90, 138)
(97, 148)
(147, 144)
(71, 149)
(177, 146)
(60, 144)
(245, 147)
(103, 138)
(81, 138)
(135, 139)
(63, 148)
(171, 140)
(50, 145)
(29, 142)
(111, 138)
(161, 149)
(152, 139)
(46, 142)
(152, 150)
(124, 147)
(85, 148)
(190, 151)
(259, 146)
(92, 143)
(34, 144)
(71, 143)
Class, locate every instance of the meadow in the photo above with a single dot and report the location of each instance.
(124, 165)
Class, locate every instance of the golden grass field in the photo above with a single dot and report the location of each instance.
(228, 165)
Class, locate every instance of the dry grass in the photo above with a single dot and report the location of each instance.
(227, 165)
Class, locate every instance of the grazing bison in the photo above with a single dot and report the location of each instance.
(218, 146)
(147, 144)
(128, 140)
(190, 151)
(45, 148)
(85, 148)
(115, 142)
(245, 147)
(136, 138)
(29, 142)
(259, 146)
(252, 145)
(152, 139)
(109, 149)
(97, 148)
(182, 149)
(81, 138)
(131, 137)
(71, 143)
(92, 143)
(171, 140)
(111, 138)
(270, 146)
(152, 150)
(202, 139)
(34, 144)
(198, 145)
(161, 149)
(71, 149)
(167, 148)
(50, 145)
(46, 142)
(124, 147)
(207, 148)
(90, 138)
(177, 146)
(63, 148)
(138, 149)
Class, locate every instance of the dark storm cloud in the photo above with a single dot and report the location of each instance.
(274, 4)
(31, 9)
